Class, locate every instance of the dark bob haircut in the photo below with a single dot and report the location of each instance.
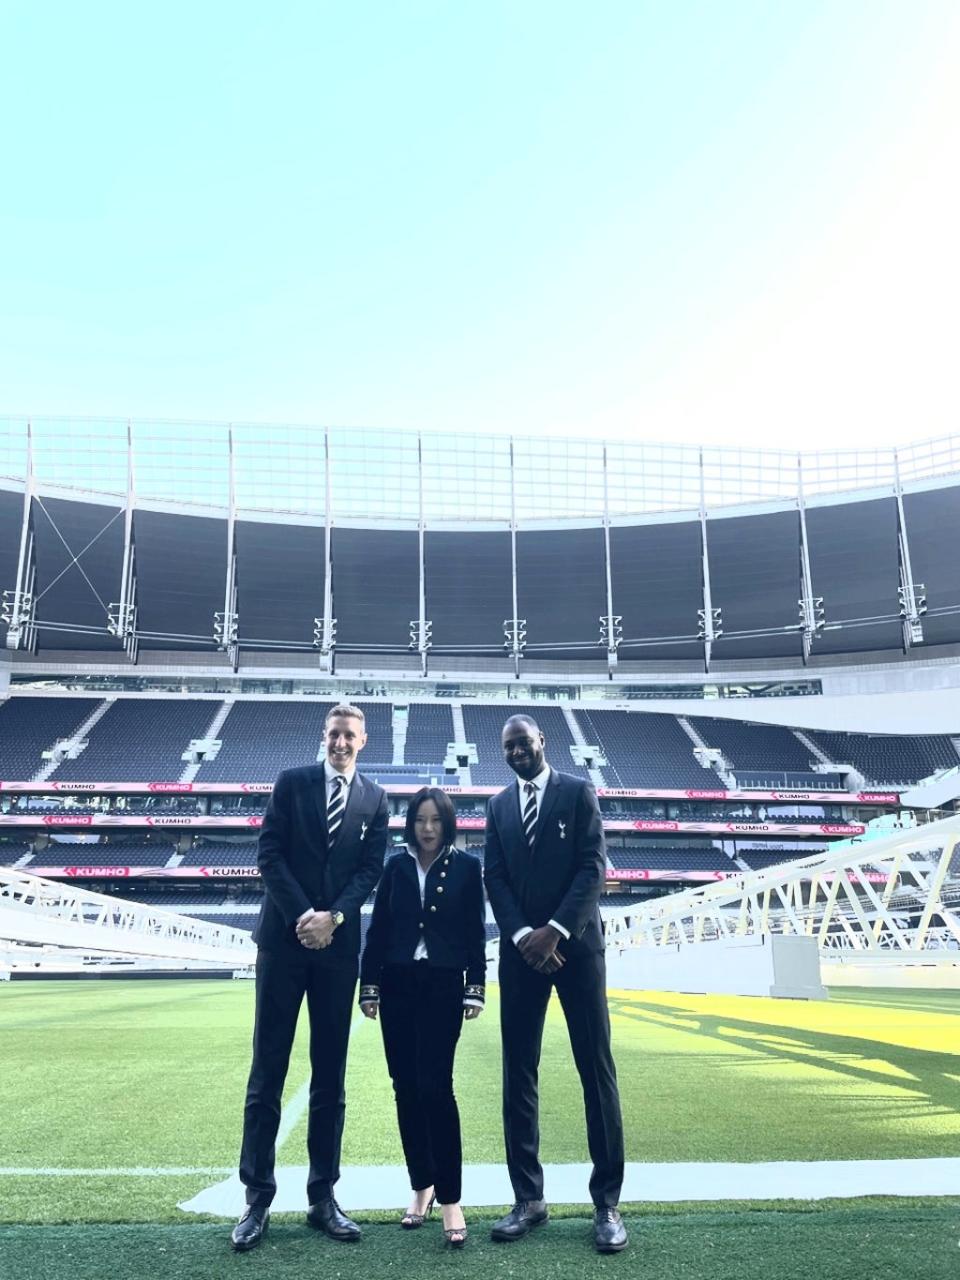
(448, 816)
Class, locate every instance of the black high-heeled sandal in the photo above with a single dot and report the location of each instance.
(410, 1221)
(455, 1237)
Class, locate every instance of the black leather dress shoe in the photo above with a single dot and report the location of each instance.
(522, 1218)
(248, 1232)
(326, 1216)
(609, 1233)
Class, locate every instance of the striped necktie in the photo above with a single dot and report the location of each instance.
(335, 807)
(530, 813)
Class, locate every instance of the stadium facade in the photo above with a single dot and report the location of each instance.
(181, 604)
(253, 548)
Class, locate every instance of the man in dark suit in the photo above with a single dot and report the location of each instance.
(320, 855)
(545, 869)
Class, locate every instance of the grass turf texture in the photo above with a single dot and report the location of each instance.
(844, 1244)
(116, 1075)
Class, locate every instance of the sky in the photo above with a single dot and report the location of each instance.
(723, 223)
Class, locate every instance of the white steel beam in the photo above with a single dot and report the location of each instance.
(828, 895)
(123, 615)
(46, 913)
(811, 606)
(20, 604)
(710, 618)
(913, 603)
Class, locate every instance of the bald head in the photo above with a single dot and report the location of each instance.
(527, 721)
(523, 746)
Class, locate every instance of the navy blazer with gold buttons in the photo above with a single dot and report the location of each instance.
(450, 920)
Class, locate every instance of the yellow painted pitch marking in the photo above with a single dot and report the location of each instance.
(907, 1028)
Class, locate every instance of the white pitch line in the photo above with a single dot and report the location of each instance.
(296, 1108)
(292, 1113)
(485, 1185)
(289, 1119)
(380, 1186)
(173, 1172)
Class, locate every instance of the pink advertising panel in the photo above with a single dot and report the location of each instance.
(408, 789)
(194, 822)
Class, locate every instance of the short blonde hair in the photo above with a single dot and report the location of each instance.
(345, 709)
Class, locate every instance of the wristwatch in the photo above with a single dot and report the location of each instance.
(337, 919)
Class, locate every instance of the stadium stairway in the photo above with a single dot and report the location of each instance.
(80, 734)
(722, 765)
(579, 738)
(212, 731)
(460, 735)
(811, 746)
(398, 723)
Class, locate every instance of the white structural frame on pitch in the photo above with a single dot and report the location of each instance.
(50, 921)
(826, 896)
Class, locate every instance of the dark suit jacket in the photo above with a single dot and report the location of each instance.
(299, 871)
(451, 918)
(562, 877)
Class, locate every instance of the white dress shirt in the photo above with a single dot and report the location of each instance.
(330, 774)
(540, 785)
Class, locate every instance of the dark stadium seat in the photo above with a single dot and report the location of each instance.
(140, 740)
(228, 920)
(379, 725)
(645, 749)
(222, 854)
(753, 746)
(887, 760)
(12, 851)
(665, 858)
(429, 732)
(117, 854)
(31, 725)
(261, 738)
(483, 726)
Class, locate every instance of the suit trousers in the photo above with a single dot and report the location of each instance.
(524, 996)
(283, 977)
(421, 1015)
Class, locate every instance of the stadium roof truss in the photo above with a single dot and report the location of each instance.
(45, 924)
(891, 900)
(119, 537)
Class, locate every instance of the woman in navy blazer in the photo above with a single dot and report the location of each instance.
(426, 933)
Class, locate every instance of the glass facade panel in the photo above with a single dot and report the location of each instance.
(376, 474)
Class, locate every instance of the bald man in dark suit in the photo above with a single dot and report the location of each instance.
(545, 868)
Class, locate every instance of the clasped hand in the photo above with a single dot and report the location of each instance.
(315, 929)
(539, 949)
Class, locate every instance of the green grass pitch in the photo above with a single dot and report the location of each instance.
(118, 1075)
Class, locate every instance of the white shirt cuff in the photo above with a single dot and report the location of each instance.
(474, 1004)
(521, 933)
(560, 929)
